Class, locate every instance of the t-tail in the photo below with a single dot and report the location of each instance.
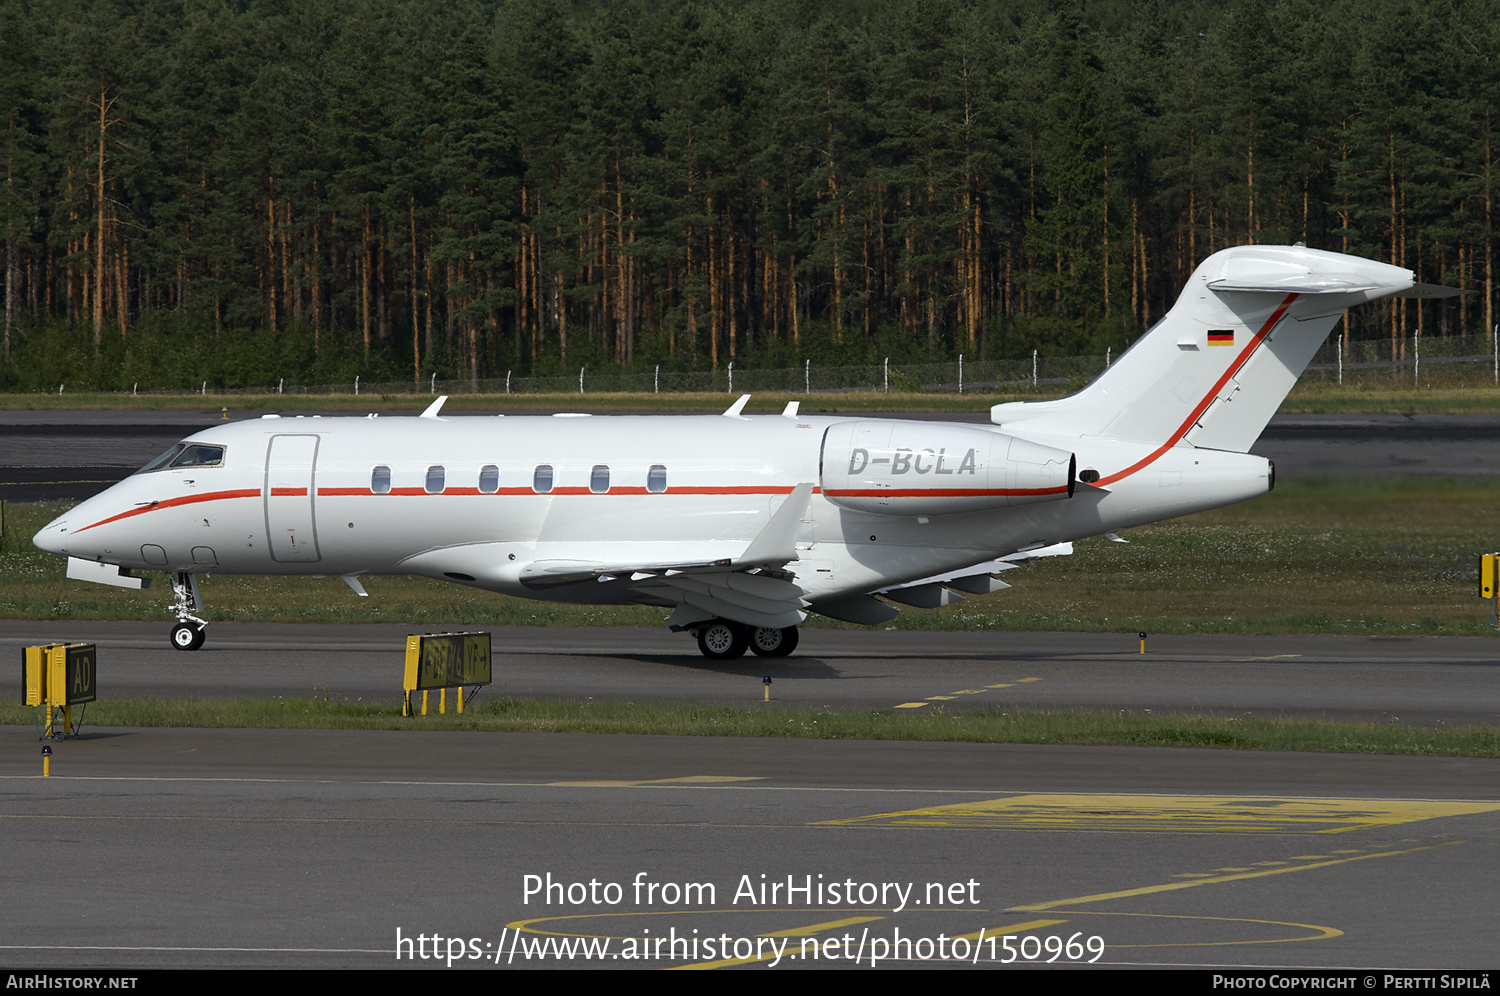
(1214, 370)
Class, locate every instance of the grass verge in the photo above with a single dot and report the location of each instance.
(991, 725)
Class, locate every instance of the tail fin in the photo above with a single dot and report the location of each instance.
(1216, 368)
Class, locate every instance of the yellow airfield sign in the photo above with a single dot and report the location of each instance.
(447, 660)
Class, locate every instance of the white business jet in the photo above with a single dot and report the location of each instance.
(740, 525)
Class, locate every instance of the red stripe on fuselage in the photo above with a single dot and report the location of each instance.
(177, 503)
(1239, 361)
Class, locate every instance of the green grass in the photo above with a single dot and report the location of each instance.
(991, 725)
(1365, 556)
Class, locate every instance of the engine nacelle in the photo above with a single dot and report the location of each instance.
(922, 468)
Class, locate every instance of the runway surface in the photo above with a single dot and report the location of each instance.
(48, 455)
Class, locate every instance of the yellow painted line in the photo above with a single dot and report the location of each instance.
(1217, 879)
(808, 931)
(1272, 657)
(1319, 933)
(684, 780)
(1028, 679)
(1172, 814)
(938, 698)
(1015, 928)
(969, 691)
(911, 705)
(1005, 685)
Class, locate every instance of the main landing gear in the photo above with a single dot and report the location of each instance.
(188, 633)
(723, 640)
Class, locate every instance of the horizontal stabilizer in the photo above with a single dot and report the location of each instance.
(1433, 291)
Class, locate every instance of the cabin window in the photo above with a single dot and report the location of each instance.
(435, 476)
(380, 480)
(656, 479)
(599, 479)
(541, 481)
(489, 479)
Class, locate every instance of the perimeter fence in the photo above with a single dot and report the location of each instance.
(1415, 358)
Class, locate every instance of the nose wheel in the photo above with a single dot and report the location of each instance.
(188, 634)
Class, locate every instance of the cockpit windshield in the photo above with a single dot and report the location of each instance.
(186, 455)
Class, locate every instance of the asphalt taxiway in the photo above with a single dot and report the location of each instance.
(239, 848)
(250, 848)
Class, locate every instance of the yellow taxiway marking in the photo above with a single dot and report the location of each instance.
(1215, 880)
(684, 780)
(808, 931)
(1015, 928)
(1272, 657)
(1171, 814)
(962, 691)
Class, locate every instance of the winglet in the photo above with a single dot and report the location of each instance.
(733, 411)
(432, 409)
(777, 542)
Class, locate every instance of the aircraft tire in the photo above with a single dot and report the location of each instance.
(186, 636)
(768, 641)
(723, 641)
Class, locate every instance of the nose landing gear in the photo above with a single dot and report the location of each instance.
(188, 634)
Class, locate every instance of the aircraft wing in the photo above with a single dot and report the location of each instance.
(944, 589)
(748, 588)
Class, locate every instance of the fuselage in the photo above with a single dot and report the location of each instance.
(491, 501)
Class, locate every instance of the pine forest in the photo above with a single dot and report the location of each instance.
(240, 191)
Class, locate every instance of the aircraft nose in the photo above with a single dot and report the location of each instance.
(53, 537)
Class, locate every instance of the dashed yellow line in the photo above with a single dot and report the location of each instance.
(684, 780)
(962, 691)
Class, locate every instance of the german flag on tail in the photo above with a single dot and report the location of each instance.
(1220, 337)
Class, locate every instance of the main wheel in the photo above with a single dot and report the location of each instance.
(186, 636)
(768, 641)
(723, 641)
